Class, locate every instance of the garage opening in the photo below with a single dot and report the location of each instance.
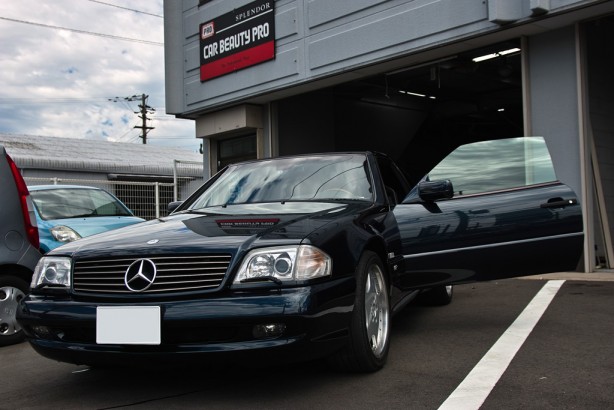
(600, 58)
(414, 113)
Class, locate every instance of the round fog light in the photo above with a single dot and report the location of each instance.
(269, 331)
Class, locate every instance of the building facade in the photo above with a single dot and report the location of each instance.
(267, 78)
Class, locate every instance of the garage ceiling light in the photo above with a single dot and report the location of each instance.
(417, 94)
(410, 93)
(495, 55)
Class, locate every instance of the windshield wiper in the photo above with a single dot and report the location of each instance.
(79, 216)
(346, 199)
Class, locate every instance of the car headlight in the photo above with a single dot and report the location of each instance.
(52, 271)
(284, 264)
(63, 233)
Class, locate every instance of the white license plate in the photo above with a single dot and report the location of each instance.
(135, 325)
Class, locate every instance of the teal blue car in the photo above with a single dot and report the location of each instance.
(65, 213)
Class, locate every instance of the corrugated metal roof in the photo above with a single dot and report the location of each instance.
(74, 154)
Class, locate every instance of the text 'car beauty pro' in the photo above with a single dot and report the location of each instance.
(303, 257)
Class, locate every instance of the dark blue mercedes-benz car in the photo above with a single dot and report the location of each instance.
(302, 257)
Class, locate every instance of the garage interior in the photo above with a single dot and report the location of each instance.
(464, 98)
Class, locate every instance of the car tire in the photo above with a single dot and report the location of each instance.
(12, 290)
(369, 339)
(437, 296)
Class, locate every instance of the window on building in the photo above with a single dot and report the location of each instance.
(236, 149)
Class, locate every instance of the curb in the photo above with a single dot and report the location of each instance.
(600, 276)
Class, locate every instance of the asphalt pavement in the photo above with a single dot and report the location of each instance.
(565, 362)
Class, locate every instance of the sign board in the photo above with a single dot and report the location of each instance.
(237, 40)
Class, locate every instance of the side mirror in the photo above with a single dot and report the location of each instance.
(430, 191)
(173, 205)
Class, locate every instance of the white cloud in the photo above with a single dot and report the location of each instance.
(57, 82)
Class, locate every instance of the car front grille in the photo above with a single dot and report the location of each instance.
(173, 274)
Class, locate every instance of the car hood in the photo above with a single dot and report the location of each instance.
(219, 229)
(91, 226)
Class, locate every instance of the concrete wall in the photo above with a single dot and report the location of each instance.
(553, 98)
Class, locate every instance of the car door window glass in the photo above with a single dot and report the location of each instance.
(496, 165)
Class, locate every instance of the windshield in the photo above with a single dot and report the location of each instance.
(321, 178)
(61, 203)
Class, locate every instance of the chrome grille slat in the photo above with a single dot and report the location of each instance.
(96, 279)
(185, 269)
(102, 274)
(195, 275)
(191, 281)
(174, 274)
(157, 291)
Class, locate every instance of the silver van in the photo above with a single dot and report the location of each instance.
(19, 246)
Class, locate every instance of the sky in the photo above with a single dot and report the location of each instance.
(64, 62)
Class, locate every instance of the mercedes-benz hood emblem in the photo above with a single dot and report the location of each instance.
(140, 275)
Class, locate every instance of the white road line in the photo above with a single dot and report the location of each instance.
(471, 393)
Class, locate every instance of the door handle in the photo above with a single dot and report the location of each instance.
(559, 203)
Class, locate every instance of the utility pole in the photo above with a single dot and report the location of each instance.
(144, 109)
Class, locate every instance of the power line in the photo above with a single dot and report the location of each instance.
(51, 100)
(121, 138)
(161, 137)
(56, 100)
(126, 8)
(168, 119)
(90, 33)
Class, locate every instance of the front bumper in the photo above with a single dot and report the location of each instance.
(211, 328)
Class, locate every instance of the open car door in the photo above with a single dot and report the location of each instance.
(489, 210)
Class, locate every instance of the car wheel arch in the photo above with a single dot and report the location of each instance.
(378, 246)
(17, 271)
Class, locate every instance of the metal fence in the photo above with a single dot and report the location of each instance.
(187, 177)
